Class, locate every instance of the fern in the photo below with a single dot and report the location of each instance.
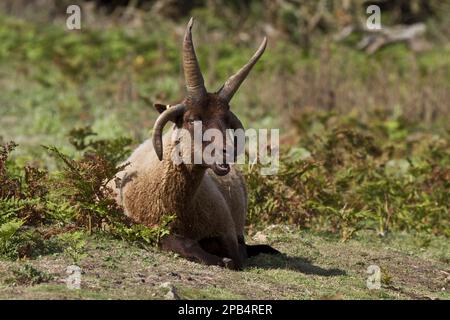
(7, 232)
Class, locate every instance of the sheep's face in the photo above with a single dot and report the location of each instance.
(210, 143)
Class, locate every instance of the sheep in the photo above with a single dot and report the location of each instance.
(209, 200)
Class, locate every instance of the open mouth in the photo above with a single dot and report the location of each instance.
(221, 169)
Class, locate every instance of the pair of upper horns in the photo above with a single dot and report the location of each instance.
(196, 88)
(193, 76)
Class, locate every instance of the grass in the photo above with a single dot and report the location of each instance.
(364, 176)
(108, 79)
(347, 174)
(311, 267)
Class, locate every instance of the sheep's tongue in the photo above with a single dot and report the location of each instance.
(221, 169)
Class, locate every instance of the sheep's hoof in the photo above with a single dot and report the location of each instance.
(228, 263)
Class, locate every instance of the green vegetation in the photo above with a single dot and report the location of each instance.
(36, 206)
(364, 169)
(29, 275)
(386, 174)
(313, 267)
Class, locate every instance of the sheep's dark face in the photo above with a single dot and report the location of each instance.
(211, 119)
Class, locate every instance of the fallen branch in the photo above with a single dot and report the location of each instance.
(373, 40)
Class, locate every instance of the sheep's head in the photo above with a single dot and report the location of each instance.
(200, 108)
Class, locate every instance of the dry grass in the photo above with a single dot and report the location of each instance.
(311, 267)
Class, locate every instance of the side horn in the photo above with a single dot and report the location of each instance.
(193, 76)
(169, 115)
(232, 84)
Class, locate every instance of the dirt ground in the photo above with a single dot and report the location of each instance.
(312, 266)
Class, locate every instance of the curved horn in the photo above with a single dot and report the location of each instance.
(232, 84)
(169, 115)
(192, 74)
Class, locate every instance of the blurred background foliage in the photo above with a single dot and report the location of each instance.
(365, 137)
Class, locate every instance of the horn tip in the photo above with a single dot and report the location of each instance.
(190, 23)
(159, 154)
(157, 147)
(264, 42)
(187, 35)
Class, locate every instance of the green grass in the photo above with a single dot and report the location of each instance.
(54, 80)
(365, 182)
(311, 267)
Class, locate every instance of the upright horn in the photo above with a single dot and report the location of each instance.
(232, 84)
(193, 76)
(169, 115)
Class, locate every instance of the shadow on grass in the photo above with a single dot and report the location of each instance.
(299, 264)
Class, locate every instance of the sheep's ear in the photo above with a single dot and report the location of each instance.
(160, 107)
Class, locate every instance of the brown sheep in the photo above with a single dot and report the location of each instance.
(210, 201)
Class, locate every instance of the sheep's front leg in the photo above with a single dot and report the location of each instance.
(224, 246)
(233, 250)
(191, 249)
